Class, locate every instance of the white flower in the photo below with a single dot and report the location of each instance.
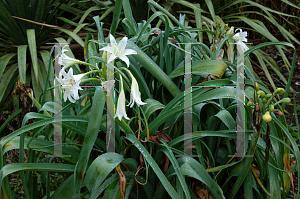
(135, 95)
(65, 60)
(118, 50)
(121, 104)
(70, 84)
(108, 85)
(241, 37)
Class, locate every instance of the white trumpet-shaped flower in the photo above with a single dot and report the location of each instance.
(118, 50)
(121, 112)
(135, 95)
(241, 38)
(65, 60)
(70, 84)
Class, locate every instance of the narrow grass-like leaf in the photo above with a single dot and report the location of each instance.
(156, 5)
(65, 190)
(22, 62)
(90, 136)
(42, 145)
(11, 168)
(147, 23)
(192, 168)
(6, 79)
(292, 140)
(128, 15)
(33, 52)
(153, 68)
(73, 35)
(10, 119)
(4, 61)
(154, 166)
(177, 169)
(116, 16)
(211, 9)
(152, 106)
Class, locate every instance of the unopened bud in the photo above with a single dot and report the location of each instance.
(286, 100)
(261, 93)
(280, 113)
(267, 117)
(256, 107)
(279, 91)
(268, 96)
(271, 108)
(256, 86)
(264, 100)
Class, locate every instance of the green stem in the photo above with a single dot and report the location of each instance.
(90, 79)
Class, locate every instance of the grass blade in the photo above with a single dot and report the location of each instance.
(90, 136)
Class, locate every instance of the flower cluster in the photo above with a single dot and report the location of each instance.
(117, 50)
(70, 82)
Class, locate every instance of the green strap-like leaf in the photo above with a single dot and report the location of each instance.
(33, 52)
(154, 69)
(99, 170)
(90, 136)
(3, 62)
(152, 106)
(22, 62)
(154, 166)
(212, 67)
(7, 77)
(192, 168)
(11, 168)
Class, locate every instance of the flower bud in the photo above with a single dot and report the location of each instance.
(280, 113)
(268, 96)
(230, 31)
(271, 108)
(261, 93)
(279, 91)
(286, 100)
(264, 100)
(256, 86)
(267, 117)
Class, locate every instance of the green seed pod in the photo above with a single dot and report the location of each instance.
(279, 91)
(249, 103)
(264, 100)
(261, 93)
(271, 108)
(286, 100)
(267, 117)
(268, 96)
(256, 86)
